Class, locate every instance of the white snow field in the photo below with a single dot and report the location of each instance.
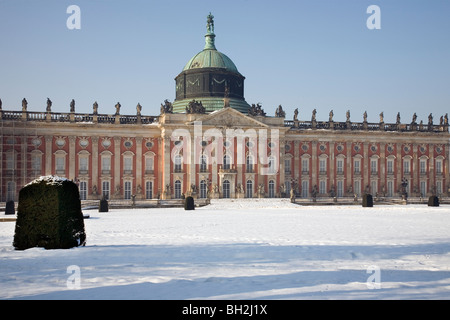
(241, 249)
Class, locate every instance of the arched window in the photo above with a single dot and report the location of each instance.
(203, 190)
(226, 189)
(177, 189)
(249, 189)
(271, 189)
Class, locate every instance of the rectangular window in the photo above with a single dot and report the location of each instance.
(357, 187)
(305, 166)
(438, 188)
(149, 164)
(106, 164)
(36, 163)
(357, 166)
(127, 190)
(439, 166)
(60, 165)
(340, 166)
(390, 166)
(322, 187)
(406, 168)
(390, 188)
(83, 190)
(105, 190)
(323, 166)
(83, 164)
(203, 189)
(148, 189)
(423, 166)
(127, 165)
(10, 161)
(374, 187)
(423, 188)
(305, 188)
(340, 188)
(373, 166)
(287, 165)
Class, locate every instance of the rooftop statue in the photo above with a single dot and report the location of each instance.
(49, 105)
(210, 23)
(117, 108)
(24, 104)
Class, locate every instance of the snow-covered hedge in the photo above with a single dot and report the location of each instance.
(49, 215)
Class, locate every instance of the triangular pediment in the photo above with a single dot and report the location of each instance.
(230, 118)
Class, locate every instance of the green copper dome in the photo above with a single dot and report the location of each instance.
(211, 58)
(211, 78)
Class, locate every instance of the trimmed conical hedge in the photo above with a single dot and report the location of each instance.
(367, 200)
(49, 215)
(433, 201)
(189, 203)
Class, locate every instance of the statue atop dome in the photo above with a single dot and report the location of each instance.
(210, 23)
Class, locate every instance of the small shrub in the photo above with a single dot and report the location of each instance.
(367, 200)
(433, 201)
(189, 203)
(103, 207)
(10, 207)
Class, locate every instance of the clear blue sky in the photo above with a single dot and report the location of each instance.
(300, 54)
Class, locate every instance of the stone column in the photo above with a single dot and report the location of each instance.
(281, 168)
(415, 170)
(166, 167)
(94, 165)
(138, 177)
(432, 173)
(48, 155)
(24, 157)
(349, 169)
(116, 178)
(399, 168)
(72, 157)
(296, 174)
(382, 164)
(365, 167)
(313, 164)
(331, 176)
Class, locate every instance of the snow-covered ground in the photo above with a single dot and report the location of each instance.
(246, 249)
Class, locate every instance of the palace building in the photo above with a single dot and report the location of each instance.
(210, 143)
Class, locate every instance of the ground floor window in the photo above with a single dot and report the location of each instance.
(105, 190)
(83, 190)
(178, 189)
(305, 188)
(249, 189)
(226, 189)
(340, 189)
(203, 190)
(423, 188)
(390, 188)
(148, 190)
(271, 189)
(127, 190)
